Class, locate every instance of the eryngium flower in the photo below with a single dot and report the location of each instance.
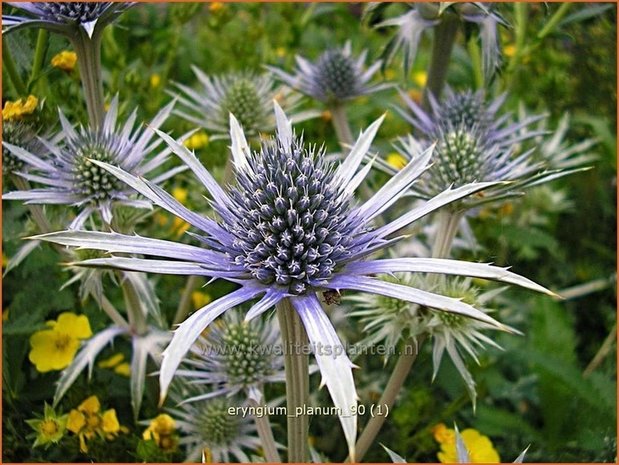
(207, 427)
(65, 17)
(69, 175)
(387, 320)
(245, 95)
(24, 134)
(290, 229)
(425, 15)
(334, 78)
(235, 356)
(473, 143)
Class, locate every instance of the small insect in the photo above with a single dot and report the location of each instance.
(332, 297)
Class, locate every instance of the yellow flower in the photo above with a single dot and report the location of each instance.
(180, 194)
(65, 60)
(49, 429)
(479, 447)
(200, 299)
(420, 78)
(18, 109)
(87, 422)
(280, 52)
(509, 50)
(396, 160)
(109, 422)
(5, 315)
(155, 80)
(215, 7)
(112, 361)
(124, 369)
(197, 141)
(5, 260)
(415, 95)
(55, 348)
(161, 430)
(326, 115)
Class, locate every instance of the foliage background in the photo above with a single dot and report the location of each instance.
(533, 393)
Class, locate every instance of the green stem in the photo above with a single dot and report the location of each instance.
(444, 38)
(184, 304)
(396, 381)
(89, 59)
(601, 354)
(296, 364)
(265, 433)
(478, 73)
(554, 21)
(39, 55)
(340, 124)
(9, 65)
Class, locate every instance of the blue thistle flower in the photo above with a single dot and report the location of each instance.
(245, 95)
(69, 176)
(290, 229)
(473, 143)
(334, 78)
(65, 17)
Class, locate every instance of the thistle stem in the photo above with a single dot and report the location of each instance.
(554, 21)
(296, 364)
(89, 59)
(36, 211)
(39, 55)
(448, 223)
(111, 311)
(9, 65)
(135, 311)
(396, 381)
(340, 124)
(185, 302)
(265, 433)
(444, 38)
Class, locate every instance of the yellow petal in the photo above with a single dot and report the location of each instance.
(77, 326)
(124, 369)
(52, 350)
(90, 405)
(112, 361)
(75, 421)
(110, 422)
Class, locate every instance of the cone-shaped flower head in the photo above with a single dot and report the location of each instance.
(473, 144)
(70, 176)
(335, 77)
(236, 356)
(208, 428)
(246, 95)
(65, 17)
(289, 229)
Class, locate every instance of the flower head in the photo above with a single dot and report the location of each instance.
(334, 78)
(208, 425)
(70, 177)
(289, 229)
(162, 430)
(65, 17)
(87, 421)
(246, 95)
(50, 429)
(473, 143)
(55, 348)
(235, 356)
(18, 109)
(65, 60)
(479, 448)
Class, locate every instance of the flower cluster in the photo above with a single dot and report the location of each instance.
(162, 430)
(18, 109)
(87, 422)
